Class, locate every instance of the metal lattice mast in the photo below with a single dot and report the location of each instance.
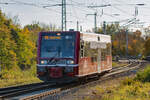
(77, 25)
(95, 21)
(64, 27)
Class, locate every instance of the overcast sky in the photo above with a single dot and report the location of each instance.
(32, 10)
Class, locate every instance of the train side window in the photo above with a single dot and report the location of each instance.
(81, 49)
(106, 52)
(98, 38)
(103, 53)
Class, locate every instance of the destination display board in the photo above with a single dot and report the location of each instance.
(52, 37)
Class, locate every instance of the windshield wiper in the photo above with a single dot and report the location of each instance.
(53, 59)
(57, 53)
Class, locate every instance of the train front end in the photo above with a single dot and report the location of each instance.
(57, 59)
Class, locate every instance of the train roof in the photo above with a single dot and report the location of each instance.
(95, 37)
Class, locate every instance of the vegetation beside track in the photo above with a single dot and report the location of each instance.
(117, 64)
(135, 88)
(18, 77)
(17, 52)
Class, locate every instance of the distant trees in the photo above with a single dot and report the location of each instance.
(147, 32)
(147, 41)
(135, 40)
(147, 47)
(135, 43)
(110, 28)
(36, 27)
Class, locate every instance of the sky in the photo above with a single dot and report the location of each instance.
(29, 11)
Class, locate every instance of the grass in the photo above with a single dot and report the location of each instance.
(16, 82)
(18, 77)
(117, 64)
(137, 88)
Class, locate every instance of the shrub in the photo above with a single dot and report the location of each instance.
(144, 76)
(128, 81)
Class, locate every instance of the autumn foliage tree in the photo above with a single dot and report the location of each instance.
(37, 27)
(16, 49)
(135, 40)
(147, 47)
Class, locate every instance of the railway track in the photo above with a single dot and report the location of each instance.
(51, 91)
(18, 90)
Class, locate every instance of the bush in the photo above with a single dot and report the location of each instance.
(18, 73)
(128, 81)
(18, 77)
(144, 76)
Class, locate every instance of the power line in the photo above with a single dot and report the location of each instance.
(124, 12)
(6, 3)
(30, 4)
(54, 1)
(82, 6)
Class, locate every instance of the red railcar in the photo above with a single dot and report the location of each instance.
(70, 55)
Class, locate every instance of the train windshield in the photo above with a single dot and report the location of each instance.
(58, 45)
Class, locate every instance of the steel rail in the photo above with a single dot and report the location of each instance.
(18, 90)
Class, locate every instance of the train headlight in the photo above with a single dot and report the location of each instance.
(70, 62)
(44, 62)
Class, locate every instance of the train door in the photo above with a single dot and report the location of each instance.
(99, 55)
(99, 59)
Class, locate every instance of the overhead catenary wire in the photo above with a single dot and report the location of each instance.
(81, 6)
(34, 5)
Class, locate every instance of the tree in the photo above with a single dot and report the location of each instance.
(8, 58)
(147, 47)
(135, 41)
(16, 49)
(110, 29)
(37, 27)
(147, 32)
(34, 30)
